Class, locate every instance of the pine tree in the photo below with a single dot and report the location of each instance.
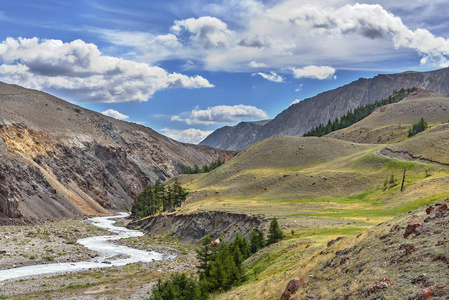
(223, 271)
(240, 242)
(205, 254)
(253, 241)
(275, 233)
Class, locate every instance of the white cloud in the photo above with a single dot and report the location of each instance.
(191, 135)
(254, 64)
(321, 73)
(299, 88)
(239, 35)
(221, 114)
(115, 114)
(295, 102)
(80, 70)
(272, 77)
(209, 32)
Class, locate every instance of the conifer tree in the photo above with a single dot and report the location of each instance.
(275, 233)
(240, 242)
(205, 254)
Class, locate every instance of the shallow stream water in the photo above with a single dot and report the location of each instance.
(104, 245)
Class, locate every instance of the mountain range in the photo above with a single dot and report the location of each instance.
(303, 116)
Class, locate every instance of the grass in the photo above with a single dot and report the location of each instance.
(342, 196)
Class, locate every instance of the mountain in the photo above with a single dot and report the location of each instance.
(58, 159)
(234, 138)
(303, 116)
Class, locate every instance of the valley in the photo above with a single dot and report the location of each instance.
(228, 150)
(339, 199)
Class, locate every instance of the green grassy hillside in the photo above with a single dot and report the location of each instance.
(323, 188)
(390, 123)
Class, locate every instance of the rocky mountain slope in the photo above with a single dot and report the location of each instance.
(234, 138)
(309, 113)
(58, 159)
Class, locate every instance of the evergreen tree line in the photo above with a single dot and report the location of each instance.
(204, 169)
(158, 198)
(357, 114)
(220, 267)
(417, 127)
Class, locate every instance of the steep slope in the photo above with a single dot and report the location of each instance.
(309, 113)
(407, 257)
(234, 138)
(58, 159)
(390, 123)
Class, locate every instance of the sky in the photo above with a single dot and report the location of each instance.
(186, 68)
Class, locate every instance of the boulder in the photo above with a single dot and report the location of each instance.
(429, 209)
(292, 287)
(414, 227)
(215, 243)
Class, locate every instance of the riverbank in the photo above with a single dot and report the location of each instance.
(50, 242)
(53, 242)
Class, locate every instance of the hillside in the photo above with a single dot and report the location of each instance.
(58, 159)
(299, 118)
(324, 188)
(390, 123)
(403, 258)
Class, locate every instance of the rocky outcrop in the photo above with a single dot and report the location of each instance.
(413, 228)
(192, 227)
(292, 287)
(303, 116)
(60, 160)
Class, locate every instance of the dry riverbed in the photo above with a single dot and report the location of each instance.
(56, 242)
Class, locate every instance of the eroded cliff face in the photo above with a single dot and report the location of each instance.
(194, 226)
(60, 160)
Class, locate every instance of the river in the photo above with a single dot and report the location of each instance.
(104, 245)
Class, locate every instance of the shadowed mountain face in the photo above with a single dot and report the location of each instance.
(236, 137)
(301, 117)
(58, 159)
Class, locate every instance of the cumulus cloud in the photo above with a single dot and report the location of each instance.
(209, 32)
(295, 33)
(271, 77)
(321, 73)
(191, 135)
(115, 114)
(221, 114)
(81, 70)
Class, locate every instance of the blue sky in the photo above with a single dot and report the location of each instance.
(185, 68)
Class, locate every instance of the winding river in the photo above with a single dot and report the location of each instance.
(104, 245)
